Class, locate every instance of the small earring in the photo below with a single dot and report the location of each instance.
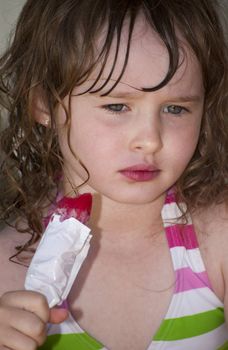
(46, 122)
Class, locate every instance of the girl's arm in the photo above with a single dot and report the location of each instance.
(212, 231)
(23, 314)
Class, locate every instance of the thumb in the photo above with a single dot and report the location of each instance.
(58, 315)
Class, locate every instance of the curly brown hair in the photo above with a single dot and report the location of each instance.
(53, 50)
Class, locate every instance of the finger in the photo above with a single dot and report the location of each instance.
(58, 315)
(25, 322)
(13, 339)
(27, 300)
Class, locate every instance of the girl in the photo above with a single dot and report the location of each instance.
(126, 100)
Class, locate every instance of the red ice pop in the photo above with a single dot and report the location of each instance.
(77, 207)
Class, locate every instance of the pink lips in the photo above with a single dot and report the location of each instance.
(140, 172)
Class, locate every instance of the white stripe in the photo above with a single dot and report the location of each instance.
(192, 302)
(187, 258)
(66, 327)
(207, 341)
(171, 214)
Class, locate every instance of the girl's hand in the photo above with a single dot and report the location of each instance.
(23, 319)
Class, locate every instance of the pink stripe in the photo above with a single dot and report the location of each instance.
(170, 198)
(186, 280)
(181, 236)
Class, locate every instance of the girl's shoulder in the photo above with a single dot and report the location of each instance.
(212, 230)
(12, 275)
(211, 226)
(215, 217)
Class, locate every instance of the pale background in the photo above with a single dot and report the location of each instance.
(9, 10)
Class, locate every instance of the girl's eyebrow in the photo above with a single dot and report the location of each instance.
(187, 98)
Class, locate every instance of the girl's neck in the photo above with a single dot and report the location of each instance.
(128, 221)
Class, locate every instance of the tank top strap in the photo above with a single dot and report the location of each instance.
(178, 224)
(182, 241)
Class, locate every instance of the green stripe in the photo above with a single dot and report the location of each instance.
(80, 341)
(224, 347)
(190, 326)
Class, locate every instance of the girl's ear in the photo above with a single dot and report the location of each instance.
(39, 107)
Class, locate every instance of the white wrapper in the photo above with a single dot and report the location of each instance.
(59, 256)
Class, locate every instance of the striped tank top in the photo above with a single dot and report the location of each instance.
(195, 316)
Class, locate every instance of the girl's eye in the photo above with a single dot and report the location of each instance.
(115, 108)
(174, 109)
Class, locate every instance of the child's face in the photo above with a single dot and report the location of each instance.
(154, 131)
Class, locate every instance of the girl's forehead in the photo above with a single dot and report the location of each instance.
(148, 61)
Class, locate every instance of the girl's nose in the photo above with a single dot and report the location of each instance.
(147, 138)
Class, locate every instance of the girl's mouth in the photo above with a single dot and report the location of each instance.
(140, 172)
